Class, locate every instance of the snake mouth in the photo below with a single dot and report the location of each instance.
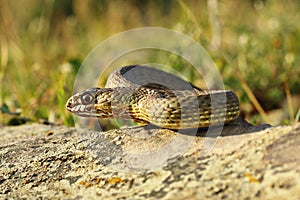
(79, 110)
(82, 111)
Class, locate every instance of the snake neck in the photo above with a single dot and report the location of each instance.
(131, 103)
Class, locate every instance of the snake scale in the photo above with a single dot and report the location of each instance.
(148, 95)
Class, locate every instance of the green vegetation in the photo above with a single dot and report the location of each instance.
(255, 45)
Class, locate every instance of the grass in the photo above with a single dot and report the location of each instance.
(42, 44)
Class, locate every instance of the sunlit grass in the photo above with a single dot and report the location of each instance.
(43, 43)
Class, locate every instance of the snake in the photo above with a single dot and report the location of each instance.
(148, 95)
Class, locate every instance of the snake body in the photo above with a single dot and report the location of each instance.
(148, 95)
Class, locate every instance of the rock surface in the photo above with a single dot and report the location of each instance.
(241, 162)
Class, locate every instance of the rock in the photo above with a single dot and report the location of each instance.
(238, 161)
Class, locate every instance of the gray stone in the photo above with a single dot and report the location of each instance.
(240, 162)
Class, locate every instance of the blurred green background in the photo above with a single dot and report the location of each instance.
(254, 43)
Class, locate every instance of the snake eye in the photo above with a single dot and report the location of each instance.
(87, 99)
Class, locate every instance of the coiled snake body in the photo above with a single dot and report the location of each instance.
(148, 95)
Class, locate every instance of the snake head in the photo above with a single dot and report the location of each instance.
(86, 103)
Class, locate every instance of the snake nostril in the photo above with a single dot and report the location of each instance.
(69, 103)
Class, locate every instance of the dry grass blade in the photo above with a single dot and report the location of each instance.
(289, 102)
(253, 99)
